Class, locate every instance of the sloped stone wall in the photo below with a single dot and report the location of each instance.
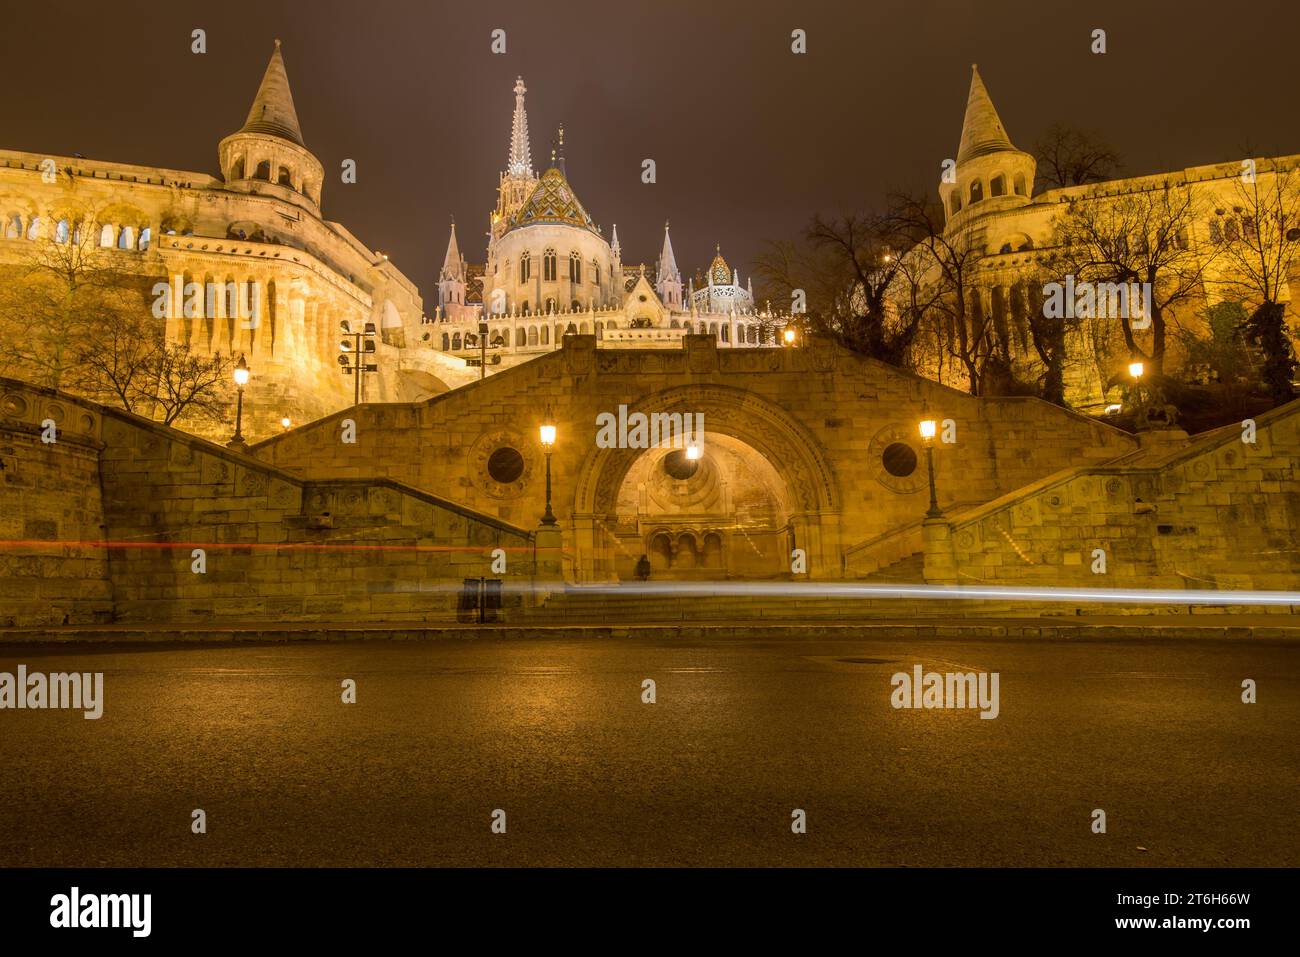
(53, 568)
(1219, 513)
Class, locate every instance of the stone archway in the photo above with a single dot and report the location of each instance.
(809, 489)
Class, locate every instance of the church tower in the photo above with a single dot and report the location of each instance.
(267, 154)
(518, 180)
(990, 173)
(668, 283)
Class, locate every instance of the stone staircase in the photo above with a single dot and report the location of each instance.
(909, 570)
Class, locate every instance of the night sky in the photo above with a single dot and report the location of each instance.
(749, 139)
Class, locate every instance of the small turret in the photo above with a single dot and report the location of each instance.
(268, 148)
(991, 173)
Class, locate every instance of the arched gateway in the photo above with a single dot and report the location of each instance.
(762, 486)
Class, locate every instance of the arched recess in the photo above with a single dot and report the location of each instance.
(793, 452)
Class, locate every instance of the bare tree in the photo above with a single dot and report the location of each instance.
(962, 329)
(846, 268)
(1070, 157)
(1259, 239)
(65, 286)
(1143, 239)
(188, 384)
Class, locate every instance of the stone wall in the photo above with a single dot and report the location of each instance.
(1212, 513)
(275, 548)
(822, 417)
(53, 567)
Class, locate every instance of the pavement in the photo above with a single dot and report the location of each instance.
(553, 731)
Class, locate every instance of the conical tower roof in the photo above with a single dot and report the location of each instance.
(272, 112)
(982, 131)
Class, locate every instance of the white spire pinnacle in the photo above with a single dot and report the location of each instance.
(614, 242)
(451, 265)
(521, 157)
(667, 261)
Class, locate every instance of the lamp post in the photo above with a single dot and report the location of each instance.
(352, 346)
(788, 336)
(482, 341)
(241, 379)
(927, 439)
(547, 435)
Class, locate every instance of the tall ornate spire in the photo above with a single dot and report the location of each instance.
(272, 110)
(982, 131)
(614, 246)
(521, 157)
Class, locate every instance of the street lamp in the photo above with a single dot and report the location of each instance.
(788, 335)
(927, 439)
(241, 379)
(285, 423)
(1135, 369)
(693, 452)
(352, 348)
(547, 436)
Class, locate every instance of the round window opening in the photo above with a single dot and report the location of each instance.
(505, 465)
(899, 459)
(679, 466)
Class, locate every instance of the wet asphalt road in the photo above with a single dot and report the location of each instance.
(554, 732)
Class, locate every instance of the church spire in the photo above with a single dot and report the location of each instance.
(451, 264)
(521, 157)
(982, 131)
(667, 261)
(272, 110)
(614, 246)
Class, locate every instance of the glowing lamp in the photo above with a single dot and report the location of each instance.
(927, 429)
(241, 372)
(547, 435)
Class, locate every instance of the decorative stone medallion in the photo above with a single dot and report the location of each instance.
(883, 468)
(501, 462)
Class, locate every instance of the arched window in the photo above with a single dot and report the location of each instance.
(523, 307)
(263, 170)
(455, 341)
(145, 235)
(14, 227)
(740, 333)
(532, 335)
(446, 342)
(575, 267)
(61, 231)
(34, 227)
(956, 202)
(1020, 184)
(976, 191)
(713, 329)
(600, 329)
(126, 238)
(674, 324)
(237, 170)
(999, 186)
(726, 333)
(521, 336)
(582, 329)
(550, 305)
(548, 266)
(546, 335)
(285, 178)
(595, 272)
(525, 267)
(575, 306)
(106, 236)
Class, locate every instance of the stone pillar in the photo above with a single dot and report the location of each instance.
(548, 563)
(940, 561)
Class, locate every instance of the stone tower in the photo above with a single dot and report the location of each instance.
(267, 154)
(451, 280)
(991, 173)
